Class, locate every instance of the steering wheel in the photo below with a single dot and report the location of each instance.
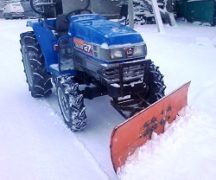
(44, 8)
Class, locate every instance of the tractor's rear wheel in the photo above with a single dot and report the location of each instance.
(38, 79)
(154, 84)
(71, 104)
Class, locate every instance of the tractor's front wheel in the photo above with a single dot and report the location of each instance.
(71, 104)
(154, 84)
(38, 79)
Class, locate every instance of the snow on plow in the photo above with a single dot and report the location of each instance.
(137, 130)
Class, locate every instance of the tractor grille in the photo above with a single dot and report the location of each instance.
(124, 73)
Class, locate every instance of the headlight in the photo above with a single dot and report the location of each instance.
(116, 53)
(136, 51)
(139, 51)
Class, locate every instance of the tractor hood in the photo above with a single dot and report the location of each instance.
(95, 29)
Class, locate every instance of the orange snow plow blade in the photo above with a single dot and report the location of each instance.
(137, 130)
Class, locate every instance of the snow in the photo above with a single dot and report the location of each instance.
(55, 67)
(184, 150)
(35, 143)
(115, 85)
(104, 46)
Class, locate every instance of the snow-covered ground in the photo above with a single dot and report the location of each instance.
(35, 143)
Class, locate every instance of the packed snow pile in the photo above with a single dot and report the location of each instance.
(188, 145)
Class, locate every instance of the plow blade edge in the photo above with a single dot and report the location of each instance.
(137, 130)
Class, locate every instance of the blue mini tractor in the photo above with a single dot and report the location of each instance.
(82, 55)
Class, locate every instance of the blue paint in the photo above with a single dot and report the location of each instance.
(93, 28)
(46, 40)
(90, 28)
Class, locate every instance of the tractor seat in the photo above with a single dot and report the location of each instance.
(62, 24)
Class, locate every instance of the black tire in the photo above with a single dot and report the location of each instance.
(155, 84)
(38, 79)
(71, 104)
